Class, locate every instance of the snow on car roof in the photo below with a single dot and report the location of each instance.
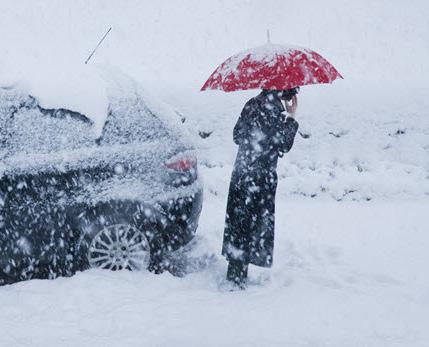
(90, 90)
(78, 88)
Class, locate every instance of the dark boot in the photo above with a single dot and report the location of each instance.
(237, 273)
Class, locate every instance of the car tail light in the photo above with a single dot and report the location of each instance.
(182, 164)
(182, 170)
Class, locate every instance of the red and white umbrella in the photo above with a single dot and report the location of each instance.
(272, 67)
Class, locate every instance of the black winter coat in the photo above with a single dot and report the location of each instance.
(263, 134)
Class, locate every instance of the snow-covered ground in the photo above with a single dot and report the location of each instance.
(351, 253)
(345, 274)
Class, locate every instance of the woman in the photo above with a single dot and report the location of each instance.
(263, 134)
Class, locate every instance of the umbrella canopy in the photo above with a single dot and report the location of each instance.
(272, 67)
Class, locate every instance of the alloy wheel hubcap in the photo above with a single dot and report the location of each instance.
(118, 247)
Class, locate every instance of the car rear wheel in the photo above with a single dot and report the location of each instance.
(118, 247)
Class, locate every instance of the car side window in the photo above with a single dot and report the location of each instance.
(26, 127)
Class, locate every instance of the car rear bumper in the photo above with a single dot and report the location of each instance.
(169, 220)
(179, 221)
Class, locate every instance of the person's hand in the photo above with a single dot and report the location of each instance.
(291, 109)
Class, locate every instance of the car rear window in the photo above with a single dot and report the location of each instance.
(130, 120)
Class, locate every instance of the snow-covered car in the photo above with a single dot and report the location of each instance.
(71, 200)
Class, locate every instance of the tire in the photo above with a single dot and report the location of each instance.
(117, 247)
(116, 224)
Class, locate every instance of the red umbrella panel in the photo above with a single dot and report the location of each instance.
(272, 67)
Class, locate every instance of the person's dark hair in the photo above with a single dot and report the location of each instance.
(289, 93)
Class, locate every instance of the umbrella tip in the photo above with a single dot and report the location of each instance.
(268, 36)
